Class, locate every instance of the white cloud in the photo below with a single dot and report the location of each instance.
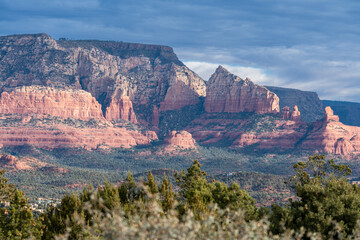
(206, 69)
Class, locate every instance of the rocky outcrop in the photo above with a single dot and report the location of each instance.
(50, 101)
(331, 136)
(295, 114)
(285, 113)
(329, 115)
(120, 107)
(60, 136)
(309, 104)
(348, 112)
(185, 89)
(180, 139)
(150, 75)
(228, 93)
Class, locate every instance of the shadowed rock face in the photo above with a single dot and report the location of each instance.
(309, 104)
(348, 112)
(230, 94)
(149, 75)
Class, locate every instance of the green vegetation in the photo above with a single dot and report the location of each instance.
(326, 206)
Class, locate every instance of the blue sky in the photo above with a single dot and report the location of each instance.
(309, 45)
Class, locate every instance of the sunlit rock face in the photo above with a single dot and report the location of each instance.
(31, 100)
(228, 93)
(149, 75)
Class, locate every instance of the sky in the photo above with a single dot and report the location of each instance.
(305, 44)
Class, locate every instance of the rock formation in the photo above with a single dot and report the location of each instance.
(60, 136)
(295, 114)
(348, 112)
(120, 107)
(228, 93)
(50, 101)
(331, 136)
(329, 115)
(185, 88)
(285, 113)
(150, 75)
(309, 104)
(180, 139)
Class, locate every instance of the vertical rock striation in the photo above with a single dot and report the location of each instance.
(50, 101)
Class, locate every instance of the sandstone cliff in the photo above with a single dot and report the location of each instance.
(120, 107)
(50, 101)
(60, 136)
(331, 136)
(228, 93)
(150, 75)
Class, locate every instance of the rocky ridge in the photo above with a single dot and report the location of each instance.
(228, 93)
(143, 84)
(149, 75)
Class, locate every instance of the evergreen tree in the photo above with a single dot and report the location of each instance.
(195, 191)
(110, 195)
(325, 200)
(57, 219)
(129, 191)
(16, 218)
(167, 195)
(151, 183)
(235, 198)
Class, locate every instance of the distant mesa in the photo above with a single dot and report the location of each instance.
(106, 94)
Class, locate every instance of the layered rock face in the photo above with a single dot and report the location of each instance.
(120, 107)
(228, 93)
(59, 136)
(331, 136)
(180, 139)
(149, 75)
(49, 101)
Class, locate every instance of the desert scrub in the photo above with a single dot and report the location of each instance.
(150, 222)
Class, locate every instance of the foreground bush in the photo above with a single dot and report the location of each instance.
(326, 206)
